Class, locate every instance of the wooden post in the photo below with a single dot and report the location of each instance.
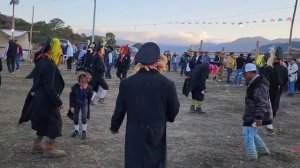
(30, 37)
(257, 49)
(201, 45)
(291, 30)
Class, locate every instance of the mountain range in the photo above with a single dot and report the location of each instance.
(245, 44)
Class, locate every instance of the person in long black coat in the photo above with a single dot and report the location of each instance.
(196, 85)
(150, 101)
(42, 105)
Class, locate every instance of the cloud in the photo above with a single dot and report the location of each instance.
(180, 38)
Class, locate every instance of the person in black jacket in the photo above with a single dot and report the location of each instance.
(80, 99)
(42, 105)
(258, 112)
(150, 101)
(98, 69)
(277, 77)
(196, 85)
(240, 62)
(11, 54)
(123, 62)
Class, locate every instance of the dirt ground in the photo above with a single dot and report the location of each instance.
(194, 141)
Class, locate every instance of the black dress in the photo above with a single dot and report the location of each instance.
(42, 109)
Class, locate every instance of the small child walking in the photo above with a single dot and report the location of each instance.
(80, 99)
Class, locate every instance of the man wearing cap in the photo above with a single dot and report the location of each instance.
(150, 101)
(258, 112)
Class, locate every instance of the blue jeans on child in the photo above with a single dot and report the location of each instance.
(238, 77)
(253, 143)
(292, 87)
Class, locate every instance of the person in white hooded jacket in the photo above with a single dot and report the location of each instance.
(293, 74)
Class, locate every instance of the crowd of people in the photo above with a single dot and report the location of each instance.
(266, 78)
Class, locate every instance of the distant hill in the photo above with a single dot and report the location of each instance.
(245, 44)
(284, 46)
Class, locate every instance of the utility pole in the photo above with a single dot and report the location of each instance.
(13, 23)
(93, 33)
(13, 2)
(30, 39)
(291, 31)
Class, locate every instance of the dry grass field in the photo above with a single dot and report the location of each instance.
(194, 141)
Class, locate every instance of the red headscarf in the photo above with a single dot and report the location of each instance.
(123, 51)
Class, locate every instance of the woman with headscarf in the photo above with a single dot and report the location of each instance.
(43, 104)
(150, 101)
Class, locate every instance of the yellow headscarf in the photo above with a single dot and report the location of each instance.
(55, 51)
(260, 61)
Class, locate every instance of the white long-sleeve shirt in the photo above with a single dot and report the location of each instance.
(293, 69)
(110, 57)
(70, 52)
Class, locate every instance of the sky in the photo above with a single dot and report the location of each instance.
(167, 21)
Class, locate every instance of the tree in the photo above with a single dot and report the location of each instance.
(56, 23)
(110, 37)
(137, 45)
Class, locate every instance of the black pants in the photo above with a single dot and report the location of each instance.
(98, 81)
(122, 74)
(108, 71)
(183, 66)
(84, 111)
(11, 61)
(275, 95)
(69, 63)
(169, 65)
(0, 78)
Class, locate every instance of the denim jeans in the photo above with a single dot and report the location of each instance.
(229, 72)
(18, 61)
(253, 143)
(108, 71)
(174, 66)
(84, 112)
(292, 87)
(238, 77)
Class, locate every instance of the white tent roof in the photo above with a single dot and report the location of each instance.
(16, 32)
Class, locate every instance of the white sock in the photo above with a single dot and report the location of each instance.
(103, 94)
(84, 126)
(270, 126)
(76, 127)
(94, 95)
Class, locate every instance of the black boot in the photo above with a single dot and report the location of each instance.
(83, 135)
(199, 110)
(75, 133)
(192, 109)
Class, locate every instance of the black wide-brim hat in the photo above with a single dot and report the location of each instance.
(148, 54)
(279, 53)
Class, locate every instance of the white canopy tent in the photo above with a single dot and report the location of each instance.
(21, 37)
